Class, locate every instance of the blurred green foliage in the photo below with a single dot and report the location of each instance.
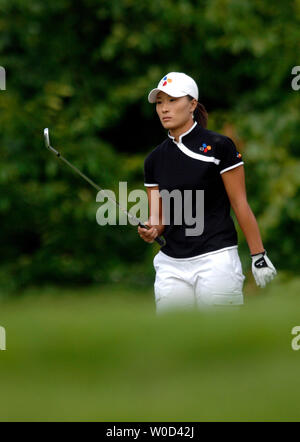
(83, 68)
(102, 355)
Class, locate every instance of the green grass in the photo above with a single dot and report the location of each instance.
(103, 355)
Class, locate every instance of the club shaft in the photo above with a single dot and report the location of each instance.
(96, 186)
(159, 239)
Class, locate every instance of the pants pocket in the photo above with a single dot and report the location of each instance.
(234, 291)
(221, 280)
(237, 271)
(155, 261)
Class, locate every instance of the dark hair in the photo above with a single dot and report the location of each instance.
(200, 114)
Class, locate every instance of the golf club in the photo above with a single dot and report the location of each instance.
(159, 239)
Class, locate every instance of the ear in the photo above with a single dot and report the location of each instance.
(194, 103)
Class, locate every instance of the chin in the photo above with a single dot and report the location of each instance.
(168, 124)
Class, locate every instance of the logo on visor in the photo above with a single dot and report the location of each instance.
(166, 80)
(204, 148)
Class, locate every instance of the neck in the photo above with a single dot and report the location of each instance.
(181, 130)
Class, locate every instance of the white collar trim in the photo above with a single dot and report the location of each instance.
(197, 156)
(182, 135)
(190, 153)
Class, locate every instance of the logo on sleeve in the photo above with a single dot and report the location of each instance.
(238, 155)
(204, 148)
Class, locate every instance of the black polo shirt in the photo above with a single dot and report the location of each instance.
(196, 161)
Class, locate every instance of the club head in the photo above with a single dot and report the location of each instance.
(46, 137)
(47, 142)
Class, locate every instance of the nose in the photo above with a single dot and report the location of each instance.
(165, 107)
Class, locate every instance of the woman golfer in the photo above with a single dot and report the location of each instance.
(194, 176)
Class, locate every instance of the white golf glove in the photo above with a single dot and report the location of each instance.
(262, 269)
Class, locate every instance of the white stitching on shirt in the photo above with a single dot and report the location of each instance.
(195, 155)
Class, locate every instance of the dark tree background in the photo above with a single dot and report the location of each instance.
(84, 69)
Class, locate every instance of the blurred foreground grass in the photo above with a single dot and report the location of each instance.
(102, 354)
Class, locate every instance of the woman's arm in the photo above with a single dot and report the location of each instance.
(234, 182)
(155, 216)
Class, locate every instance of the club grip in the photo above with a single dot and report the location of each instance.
(159, 239)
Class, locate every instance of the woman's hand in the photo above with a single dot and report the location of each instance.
(148, 235)
(262, 269)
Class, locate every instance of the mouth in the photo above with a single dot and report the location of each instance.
(166, 118)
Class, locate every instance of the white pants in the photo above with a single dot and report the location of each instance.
(198, 282)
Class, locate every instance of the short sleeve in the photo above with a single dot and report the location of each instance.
(228, 155)
(149, 179)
